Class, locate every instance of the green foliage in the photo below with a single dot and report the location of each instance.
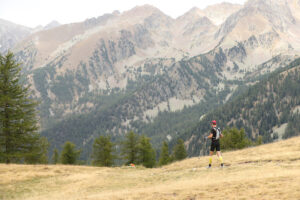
(179, 152)
(63, 87)
(293, 127)
(234, 139)
(40, 77)
(55, 157)
(18, 130)
(164, 154)
(146, 154)
(130, 148)
(103, 150)
(39, 153)
(69, 154)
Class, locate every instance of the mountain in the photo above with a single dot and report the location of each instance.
(52, 24)
(264, 172)
(11, 34)
(190, 82)
(259, 31)
(270, 108)
(100, 55)
(218, 13)
(142, 70)
(107, 51)
(194, 32)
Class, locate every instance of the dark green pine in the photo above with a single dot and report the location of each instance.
(19, 138)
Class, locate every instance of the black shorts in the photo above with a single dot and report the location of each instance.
(215, 145)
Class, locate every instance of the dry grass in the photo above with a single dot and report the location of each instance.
(267, 172)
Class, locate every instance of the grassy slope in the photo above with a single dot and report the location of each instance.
(269, 171)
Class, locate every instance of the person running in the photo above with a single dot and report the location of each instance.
(215, 135)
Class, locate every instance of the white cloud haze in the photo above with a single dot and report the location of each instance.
(40, 12)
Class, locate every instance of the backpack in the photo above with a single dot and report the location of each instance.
(218, 133)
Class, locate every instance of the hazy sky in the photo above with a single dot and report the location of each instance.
(40, 12)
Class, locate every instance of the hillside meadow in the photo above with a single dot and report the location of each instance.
(269, 171)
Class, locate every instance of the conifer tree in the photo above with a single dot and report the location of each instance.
(103, 150)
(55, 157)
(69, 154)
(40, 155)
(164, 154)
(19, 138)
(179, 150)
(146, 154)
(234, 139)
(130, 148)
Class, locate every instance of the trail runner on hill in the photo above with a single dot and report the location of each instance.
(215, 135)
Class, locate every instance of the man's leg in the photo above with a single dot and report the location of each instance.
(220, 157)
(211, 153)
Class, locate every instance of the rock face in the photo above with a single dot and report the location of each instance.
(264, 28)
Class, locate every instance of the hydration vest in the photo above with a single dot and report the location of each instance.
(218, 133)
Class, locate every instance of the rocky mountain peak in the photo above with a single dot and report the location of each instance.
(191, 14)
(218, 13)
(143, 11)
(276, 11)
(116, 13)
(52, 24)
(263, 13)
(265, 2)
(99, 20)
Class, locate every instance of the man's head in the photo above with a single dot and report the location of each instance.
(213, 123)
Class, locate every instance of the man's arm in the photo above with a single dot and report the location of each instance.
(221, 134)
(210, 136)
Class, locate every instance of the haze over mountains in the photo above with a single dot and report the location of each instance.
(121, 71)
(11, 33)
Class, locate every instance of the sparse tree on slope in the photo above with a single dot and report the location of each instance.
(179, 150)
(234, 139)
(164, 154)
(146, 154)
(55, 157)
(130, 148)
(69, 154)
(103, 150)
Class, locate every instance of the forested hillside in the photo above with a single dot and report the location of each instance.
(270, 108)
(198, 78)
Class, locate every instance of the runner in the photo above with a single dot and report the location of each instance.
(215, 135)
